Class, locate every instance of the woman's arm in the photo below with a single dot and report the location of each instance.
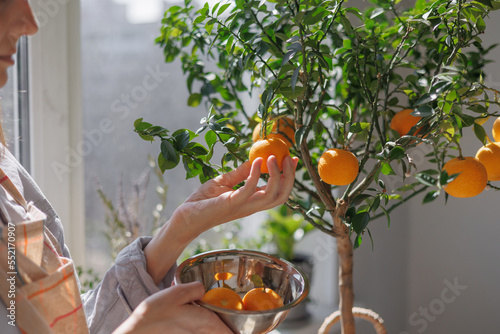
(216, 202)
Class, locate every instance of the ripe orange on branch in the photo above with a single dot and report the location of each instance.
(489, 156)
(403, 121)
(496, 129)
(471, 180)
(223, 297)
(284, 129)
(338, 167)
(264, 148)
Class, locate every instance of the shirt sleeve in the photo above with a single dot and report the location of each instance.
(124, 286)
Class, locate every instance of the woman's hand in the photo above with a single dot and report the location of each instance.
(170, 311)
(216, 202)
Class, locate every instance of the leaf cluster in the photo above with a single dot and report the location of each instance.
(342, 73)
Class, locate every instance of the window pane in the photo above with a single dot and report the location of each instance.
(15, 106)
(8, 110)
(125, 78)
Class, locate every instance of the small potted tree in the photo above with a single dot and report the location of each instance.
(364, 87)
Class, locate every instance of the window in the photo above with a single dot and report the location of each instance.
(124, 77)
(8, 109)
(15, 107)
(55, 122)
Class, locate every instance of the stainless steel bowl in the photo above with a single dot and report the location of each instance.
(240, 265)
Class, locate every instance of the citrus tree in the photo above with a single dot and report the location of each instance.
(367, 86)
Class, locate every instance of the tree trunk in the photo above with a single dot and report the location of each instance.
(345, 253)
(346, 292)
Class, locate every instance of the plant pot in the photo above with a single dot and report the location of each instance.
(300, 313)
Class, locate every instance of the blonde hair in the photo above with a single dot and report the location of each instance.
(2, 136)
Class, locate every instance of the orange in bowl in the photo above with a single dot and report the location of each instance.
(261, 299)
(223, 297)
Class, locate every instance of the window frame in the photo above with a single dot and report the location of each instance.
(56, 116)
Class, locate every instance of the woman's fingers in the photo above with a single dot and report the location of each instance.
(273, 183)
(250, 186)
(287, 179)
(179, 294)
(236, 176)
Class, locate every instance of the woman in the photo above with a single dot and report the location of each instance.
(135, 295)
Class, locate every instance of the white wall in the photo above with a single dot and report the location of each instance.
(457, 243)
(436, 270)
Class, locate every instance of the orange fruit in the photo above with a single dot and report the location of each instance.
(496, 129)
(264, 148)
(489, 156)
(471, 180)
(261, 299)
(338, 167)
(223, 297)
(403, 121)
(283, 129)
(223, 276)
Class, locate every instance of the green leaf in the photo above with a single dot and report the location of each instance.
(194, 100)
(387, 169)
(299, 135)
(181, 139)
(360, 221)
(478, 109)
(199, 19)
(430, 196)
(210, 138)
(289, 55)
(196, 149)
(375, 205)
(397, 153)
(146, 138)
(423, 111)
(480, 133)
(139, 125)
(358, 199)
(347, 44)
(229, 44)
(357, 242)
(370, 234)
(426, 179)
(192, 167)
(170, 154)
(346, 24)
(387, 216)
(223, 8)
(209, 25)
(164, 164)
(467, 120)
(290, 93)
(486, 2)
(377, 12)
(480, 25)
(348, 113)
(314, 16)
(426, 98)
(359, 127)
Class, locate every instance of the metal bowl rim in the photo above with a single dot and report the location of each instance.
(277, 260)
